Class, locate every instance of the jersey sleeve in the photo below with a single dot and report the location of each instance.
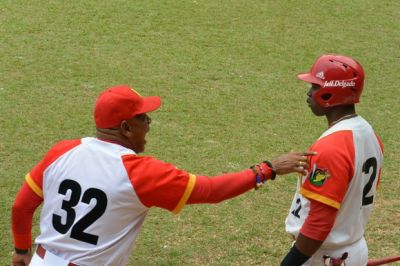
(331, 170)
(34, 178)
(159, 184)
(382, 149)
(319, 221)
(218, 188)
(22, 212)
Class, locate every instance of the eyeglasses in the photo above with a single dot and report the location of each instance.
(143, 118)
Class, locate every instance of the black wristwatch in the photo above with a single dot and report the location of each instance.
(21, 251)
(273, 171)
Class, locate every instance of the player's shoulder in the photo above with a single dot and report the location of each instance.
(335, 141)
(53, 154)
(145, 161)
(64, 145)
(148, 167)
(61, 147)
(136, 158)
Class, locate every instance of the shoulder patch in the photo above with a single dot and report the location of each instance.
(318, 176)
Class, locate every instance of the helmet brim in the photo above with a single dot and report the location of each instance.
(308, 77)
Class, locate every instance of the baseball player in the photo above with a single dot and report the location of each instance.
(332, 203)
(96, 192)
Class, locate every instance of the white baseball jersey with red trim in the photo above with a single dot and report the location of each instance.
(96, 195)
(344, 174)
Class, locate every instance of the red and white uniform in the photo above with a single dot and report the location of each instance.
(95, 197)
(343, 175)
(88, 185)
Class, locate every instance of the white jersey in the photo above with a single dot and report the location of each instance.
(344, 174)
(96, 195)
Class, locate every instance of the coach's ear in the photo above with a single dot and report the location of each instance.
(125, 129)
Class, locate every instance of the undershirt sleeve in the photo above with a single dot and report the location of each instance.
(218, 188)
(319, 221)
(22, 212)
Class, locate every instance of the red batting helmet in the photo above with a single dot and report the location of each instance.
(341, 80)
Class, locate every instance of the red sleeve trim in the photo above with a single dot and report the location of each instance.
(382, 149)
(380, 142)
(319, 222)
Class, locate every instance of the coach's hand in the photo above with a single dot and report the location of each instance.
(292, 162)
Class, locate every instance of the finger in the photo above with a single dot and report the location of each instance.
(301, 163)
(305, 165)
(299, 169)
(306, 153)
(309, 153)
(303, 158)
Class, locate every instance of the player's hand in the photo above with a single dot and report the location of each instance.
(21, 259)
(292, 162)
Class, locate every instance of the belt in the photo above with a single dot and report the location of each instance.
(41, 252)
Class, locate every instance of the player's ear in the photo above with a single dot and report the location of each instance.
(125, 128)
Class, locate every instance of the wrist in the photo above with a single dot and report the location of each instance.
(21, 251)
(294, 258)
(263, 172)
(273, 170)
(258, 173)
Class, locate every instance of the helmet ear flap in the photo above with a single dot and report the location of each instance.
(326, 96)
(323, 97)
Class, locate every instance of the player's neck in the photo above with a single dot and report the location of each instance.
(340, 113)
(111, 135)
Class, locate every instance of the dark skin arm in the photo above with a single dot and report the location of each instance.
(309, 246)
(313, 233)
(306, 245)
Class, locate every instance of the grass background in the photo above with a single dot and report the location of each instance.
(226, 71)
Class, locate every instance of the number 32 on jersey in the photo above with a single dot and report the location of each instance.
(79, 227)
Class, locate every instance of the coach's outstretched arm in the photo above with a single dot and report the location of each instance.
(219, 188)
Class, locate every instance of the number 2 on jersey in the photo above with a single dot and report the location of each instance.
(79, 227)
(370, 163)
(366, 200)
(297, 210)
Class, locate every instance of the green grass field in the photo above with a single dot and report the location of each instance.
(226, 71)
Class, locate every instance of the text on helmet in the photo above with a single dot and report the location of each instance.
(339, 83)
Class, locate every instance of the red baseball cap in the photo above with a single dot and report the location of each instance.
(121, 103)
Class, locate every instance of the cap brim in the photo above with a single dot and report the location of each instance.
(150, 104)
(308, 77)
